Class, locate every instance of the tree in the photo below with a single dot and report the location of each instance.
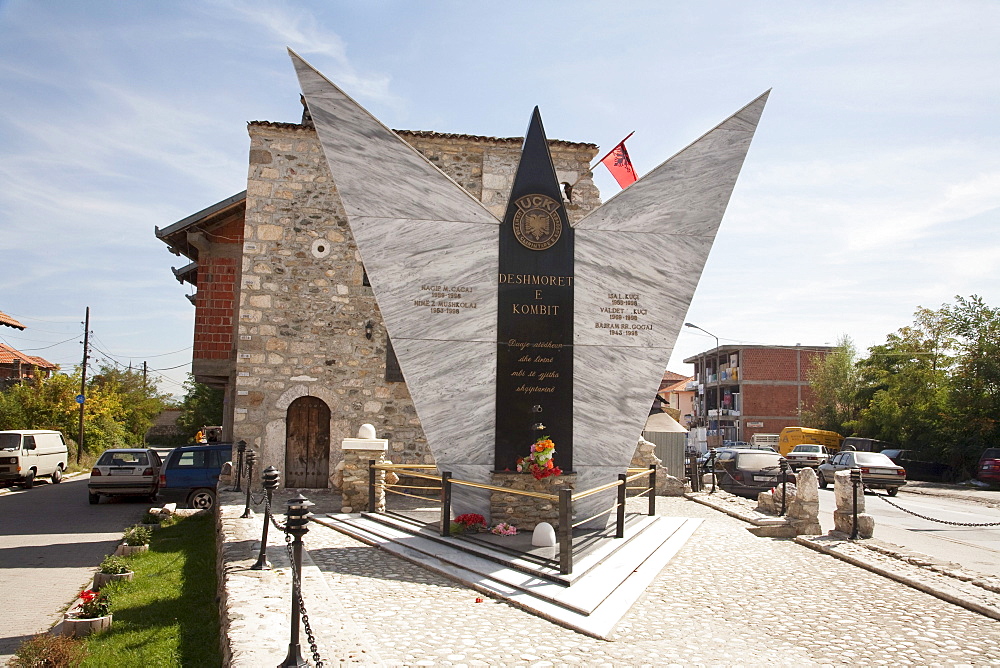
(834, 382)
(974, 387)
(201, 406)
(903, 387)
(118, 410)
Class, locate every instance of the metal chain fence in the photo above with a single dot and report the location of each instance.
(297, 585)
(932, 519)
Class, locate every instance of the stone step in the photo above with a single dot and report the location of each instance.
(591, 604)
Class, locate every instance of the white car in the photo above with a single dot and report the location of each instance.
(808, 454)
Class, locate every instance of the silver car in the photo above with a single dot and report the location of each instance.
(877, 470)
(807, 454)
(125, 472)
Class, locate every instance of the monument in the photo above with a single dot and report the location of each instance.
(501, 326)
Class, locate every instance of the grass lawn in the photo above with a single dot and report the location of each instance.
(167, 616)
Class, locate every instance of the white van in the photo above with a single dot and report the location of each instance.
(26, 454)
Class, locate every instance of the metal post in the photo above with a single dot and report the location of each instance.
(652, 490)
(251, 457)
(296, 523)
(371, 485)
(620, 516)
(856, 482)
(783, 464)
(711, 467)
(565, 531)
(446, 503)
(695, 473)
(241, 447)
(270, 477)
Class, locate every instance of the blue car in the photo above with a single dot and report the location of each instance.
(190, 474)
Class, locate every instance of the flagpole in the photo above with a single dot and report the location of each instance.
(612, 150)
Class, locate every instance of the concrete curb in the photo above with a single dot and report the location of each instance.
(946, 581)
(966, 594)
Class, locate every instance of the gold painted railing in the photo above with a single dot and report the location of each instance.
(565, 498)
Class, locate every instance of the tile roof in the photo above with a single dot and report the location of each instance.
(427, 134)
(10, 356)
(9, 321)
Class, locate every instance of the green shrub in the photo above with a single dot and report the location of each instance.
(113, 565)
(137, 535)
(48, 651)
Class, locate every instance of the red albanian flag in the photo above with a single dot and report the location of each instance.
(620, 166)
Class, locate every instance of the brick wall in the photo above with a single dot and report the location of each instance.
(215, 307)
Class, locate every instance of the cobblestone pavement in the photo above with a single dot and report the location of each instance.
(728, 598)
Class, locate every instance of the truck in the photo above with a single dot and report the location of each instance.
(764, 441)
(792, 436)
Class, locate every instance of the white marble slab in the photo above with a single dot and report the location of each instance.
(408, 259)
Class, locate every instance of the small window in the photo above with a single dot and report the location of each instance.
(393, 374)
(194, 459)
(29, 442)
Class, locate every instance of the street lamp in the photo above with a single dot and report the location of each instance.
(718, 378)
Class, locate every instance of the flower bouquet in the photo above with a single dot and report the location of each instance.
(539, 463)
(504, 529)
(468, 523)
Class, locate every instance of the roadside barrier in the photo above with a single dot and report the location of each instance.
(295, 527)
(933, 519)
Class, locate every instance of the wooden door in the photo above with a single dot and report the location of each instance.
(307, 443)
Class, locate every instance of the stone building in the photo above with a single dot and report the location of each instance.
(285, 319)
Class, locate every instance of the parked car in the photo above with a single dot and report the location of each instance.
(918, 469)
(865, 444)
(988, 469)
(191, 473)
(808, 454)
(749, 472)
(26, 454)
(125, 472)
(877, 470)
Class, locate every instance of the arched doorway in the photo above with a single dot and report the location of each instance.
(307, 443)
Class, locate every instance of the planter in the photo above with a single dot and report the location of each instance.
(151, 527)
(74, 626)
(101, 579)
(128, 550)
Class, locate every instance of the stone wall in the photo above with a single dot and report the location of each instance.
(526, 512)
(304, 307)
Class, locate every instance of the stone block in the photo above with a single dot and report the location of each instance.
(844, 523)
(843, 491)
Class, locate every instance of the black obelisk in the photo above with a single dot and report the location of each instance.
(535, 311)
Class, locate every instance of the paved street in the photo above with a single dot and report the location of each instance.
(51, 541)
(727, 598)
(975, 548)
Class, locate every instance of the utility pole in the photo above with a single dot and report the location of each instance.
(83, 381)
(145, 371)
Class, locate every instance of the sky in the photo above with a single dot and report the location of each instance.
(872, 186)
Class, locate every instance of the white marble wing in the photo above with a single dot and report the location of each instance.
(643, 252)
(416, 229)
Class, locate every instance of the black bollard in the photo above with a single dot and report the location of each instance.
(251, 458)
(711, 467)
(270, 476)
(783, 465)
(241, 447)
(856, 481)
(296, 523)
